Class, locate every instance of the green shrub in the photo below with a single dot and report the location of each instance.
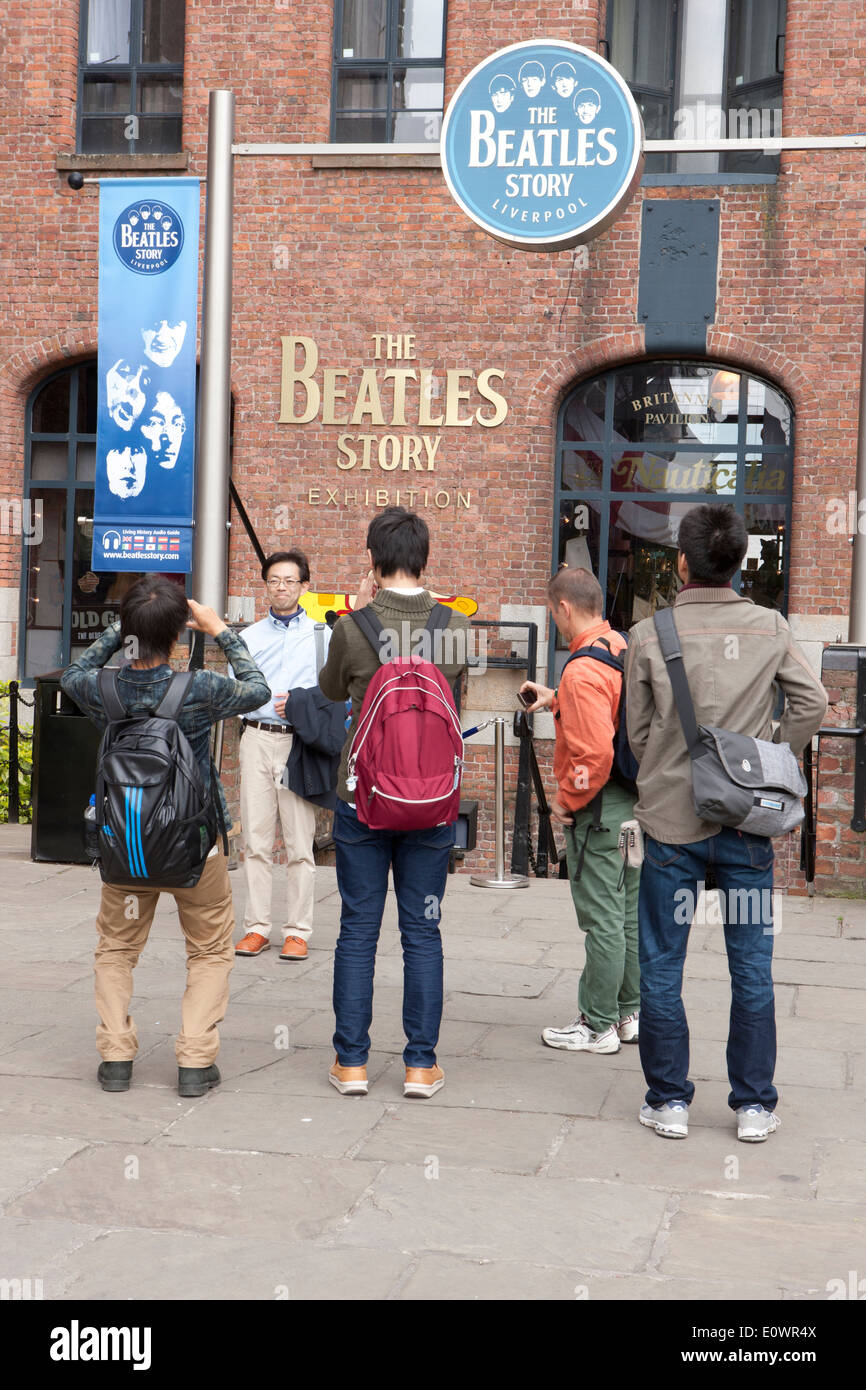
(24, 762)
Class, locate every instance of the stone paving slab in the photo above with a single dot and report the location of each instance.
(164, 1265)
(507, 1217)
(274, 1197)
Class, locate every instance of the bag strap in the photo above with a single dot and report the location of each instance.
(111, 701)
(218, 806)
(319, 634)
(371, 628)
(169, 706)
(669, 642)
(439, 617)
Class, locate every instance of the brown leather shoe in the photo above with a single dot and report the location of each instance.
(252, 944)
(294, 948)
(349, 1081)
(423, 1082)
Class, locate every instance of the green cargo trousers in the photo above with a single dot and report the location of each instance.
(610, 984)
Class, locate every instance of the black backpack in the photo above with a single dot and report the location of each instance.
(156, 820)
(625, 764)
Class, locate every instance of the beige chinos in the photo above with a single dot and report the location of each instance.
(207, 920)
(263, 757)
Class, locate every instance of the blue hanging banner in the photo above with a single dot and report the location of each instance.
(145, 427)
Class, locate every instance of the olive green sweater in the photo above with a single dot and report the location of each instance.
(352, 662)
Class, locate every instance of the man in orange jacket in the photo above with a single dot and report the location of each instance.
(586, 710)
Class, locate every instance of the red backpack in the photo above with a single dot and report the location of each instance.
(406, 758)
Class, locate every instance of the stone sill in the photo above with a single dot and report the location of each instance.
(87, 163)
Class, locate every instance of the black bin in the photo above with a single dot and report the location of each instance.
(65, 743)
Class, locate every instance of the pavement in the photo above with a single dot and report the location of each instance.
(526, 1177)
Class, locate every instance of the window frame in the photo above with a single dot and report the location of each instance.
(667, 161)
(381, 66)
(606, 494)
(131, 72)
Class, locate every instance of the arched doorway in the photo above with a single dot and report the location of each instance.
(640, 445)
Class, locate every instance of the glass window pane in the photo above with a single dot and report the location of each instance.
(45, 566)
(769, 416)
(48, 461)
(766, 563)
(362, 91)
(51, 407)
(106, 94)
(362, 129)
(767, 473)
(656, 113)
(584, 412)
(413, 127)
(95, 597)
(752, 40)
(419, 89)
(419, 28)
(108, 31)
(158, 134)
(651, 470)
(162, 31)
(581, 469)
(640, 46)
(104, 135)
(85, 463)
(755, 112)
(87, 398)
(160, 94)
(365, 29)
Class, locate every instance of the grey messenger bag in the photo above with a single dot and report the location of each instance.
(748, 783)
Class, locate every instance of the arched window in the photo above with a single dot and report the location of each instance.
(640, 446)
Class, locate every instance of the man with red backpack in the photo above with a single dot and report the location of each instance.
(596, 792)
(397, 793)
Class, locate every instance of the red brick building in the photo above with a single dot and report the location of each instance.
(508, 360)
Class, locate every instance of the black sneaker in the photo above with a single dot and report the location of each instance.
(196, 1081)
(114, 1076)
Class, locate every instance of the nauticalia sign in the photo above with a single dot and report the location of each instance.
(542, 145)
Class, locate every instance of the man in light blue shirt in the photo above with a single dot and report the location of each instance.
(289, 649)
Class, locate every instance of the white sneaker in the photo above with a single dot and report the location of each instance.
(579, 1037)
(627, 1028)
(754, 1123)
(670, 1120)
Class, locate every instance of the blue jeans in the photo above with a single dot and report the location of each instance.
(669, 888)
(419, 859)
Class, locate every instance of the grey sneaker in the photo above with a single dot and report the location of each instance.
(579, 1037)
(754, 1123)
(670, 1120)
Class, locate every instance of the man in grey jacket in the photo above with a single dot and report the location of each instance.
(737, 656)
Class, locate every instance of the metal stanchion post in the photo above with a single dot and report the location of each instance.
(500, 878)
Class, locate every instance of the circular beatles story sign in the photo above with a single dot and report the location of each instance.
(542, 145)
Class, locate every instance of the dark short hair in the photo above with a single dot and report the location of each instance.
(579, 587)
(289, 557)
(714, 539)
(154, 612)
(398, 540)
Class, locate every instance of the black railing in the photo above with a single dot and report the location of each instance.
(17, 736)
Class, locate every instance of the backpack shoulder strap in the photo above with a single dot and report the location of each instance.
(319, 635)
(606, 658)
(178, 687)
(371, 628)
(671, 650)
(439, 617)
(111, 701)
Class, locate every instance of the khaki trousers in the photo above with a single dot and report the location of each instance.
(263, 757)
(207, 920)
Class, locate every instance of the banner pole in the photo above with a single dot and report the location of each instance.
(857, 618)
(210, 545)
